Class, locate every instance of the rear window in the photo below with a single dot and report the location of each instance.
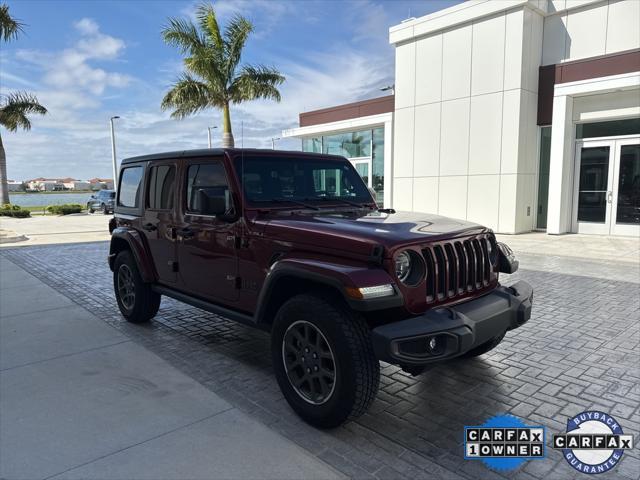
(128, 193)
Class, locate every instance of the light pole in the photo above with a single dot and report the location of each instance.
(113, 153)
(273, 142)
(389, 87)
(209, 134)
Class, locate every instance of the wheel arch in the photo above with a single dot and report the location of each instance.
(125, 239)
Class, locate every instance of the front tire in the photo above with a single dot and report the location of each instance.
(138, 303)
(105, 210)
(323, 360)
(89, 208)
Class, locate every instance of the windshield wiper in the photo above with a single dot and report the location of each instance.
(296, 202)
(348, 202)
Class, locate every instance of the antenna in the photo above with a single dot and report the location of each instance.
(242, 196)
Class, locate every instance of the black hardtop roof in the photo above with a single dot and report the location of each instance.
(213, 152)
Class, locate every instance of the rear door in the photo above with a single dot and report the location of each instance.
(207, 255)
(159, 218)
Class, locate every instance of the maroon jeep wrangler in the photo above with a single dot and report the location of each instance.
(293, 243)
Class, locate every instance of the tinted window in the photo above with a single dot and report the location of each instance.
(129, 187)
(271, 179)
(207, 179)
(161, 187)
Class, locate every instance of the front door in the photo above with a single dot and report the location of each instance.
(607, 198)
(207, 254)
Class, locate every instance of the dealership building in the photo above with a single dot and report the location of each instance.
(521, 115)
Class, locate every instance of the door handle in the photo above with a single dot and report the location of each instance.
(609, 197)
(186, 233)
(149, 227)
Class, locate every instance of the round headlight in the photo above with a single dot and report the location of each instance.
(403, 266)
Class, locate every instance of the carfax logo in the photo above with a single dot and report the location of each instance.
(504, 442)
(594, 442)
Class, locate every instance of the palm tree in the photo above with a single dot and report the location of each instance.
(213, 76)
(15, 106)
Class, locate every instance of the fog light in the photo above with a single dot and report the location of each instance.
(433, 344)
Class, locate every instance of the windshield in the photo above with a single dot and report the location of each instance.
(290, 179)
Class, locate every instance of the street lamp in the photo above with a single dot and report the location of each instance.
(209, 134)
(273, 142)
(113, 153)
(389, 87)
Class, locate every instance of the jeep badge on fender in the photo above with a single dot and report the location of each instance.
(294, 244)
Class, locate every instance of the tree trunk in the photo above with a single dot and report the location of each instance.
(227, 135)
(4, 187)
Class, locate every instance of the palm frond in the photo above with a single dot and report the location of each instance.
(235, 37)
(186, 97)
(256, 82)
(209, 25)
(10, 28)
(184, 35)
(14, 108)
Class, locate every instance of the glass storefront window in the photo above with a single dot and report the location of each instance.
(377, 167)
(630, 126)
(350, 144)
(313, 144)
(543, 177)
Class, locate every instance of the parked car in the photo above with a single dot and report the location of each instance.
(102, 201)
(294, 244)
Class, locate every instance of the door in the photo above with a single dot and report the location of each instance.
(608, 179)
(363, 167)
(625, 209)
(159, 219)
(207, 256)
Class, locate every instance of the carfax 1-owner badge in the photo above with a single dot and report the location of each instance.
(594, 442)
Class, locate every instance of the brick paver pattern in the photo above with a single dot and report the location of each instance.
(580, 351)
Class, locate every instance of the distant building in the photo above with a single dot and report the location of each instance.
(42, 184)
(73, 184)
(15, 186)
(101, 184)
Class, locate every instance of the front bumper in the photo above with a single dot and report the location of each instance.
(455, 330)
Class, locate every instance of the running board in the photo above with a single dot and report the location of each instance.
(208, 306)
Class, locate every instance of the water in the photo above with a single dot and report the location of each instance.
(44, 199)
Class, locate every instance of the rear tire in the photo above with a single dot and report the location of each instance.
(341, 344)
(485, 347)
(138, 303)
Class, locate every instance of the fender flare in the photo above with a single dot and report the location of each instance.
(137, 244)
(322, 274)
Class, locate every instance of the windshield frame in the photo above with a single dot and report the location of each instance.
(316, 203)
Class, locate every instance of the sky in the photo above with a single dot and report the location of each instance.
(88, 60)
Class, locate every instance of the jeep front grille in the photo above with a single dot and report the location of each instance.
(457, 267)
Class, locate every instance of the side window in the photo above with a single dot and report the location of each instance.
(161, 187)
(206, 181)
(128, 193)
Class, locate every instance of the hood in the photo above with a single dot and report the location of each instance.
(348, 230)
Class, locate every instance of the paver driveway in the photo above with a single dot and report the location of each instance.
(579, 351)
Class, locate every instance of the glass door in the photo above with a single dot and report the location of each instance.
(626, 193)
(607, 197)
(594, 168)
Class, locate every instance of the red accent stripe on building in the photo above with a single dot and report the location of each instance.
(585, 69)
(348, 111)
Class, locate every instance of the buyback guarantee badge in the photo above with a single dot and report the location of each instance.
(504, 442)
(594, 442)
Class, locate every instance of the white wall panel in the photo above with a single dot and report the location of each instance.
(554, 39)
(426, 160)
(485, 134)
(623, 26)
(586, 32)
(511, 126)
(453, 197)
(403, 193)
(508, 203)
(513, 52)
(525, 203)
(405, 75)
(429, 70)
(403, 143)
(456, 63)
(425, 194)
(483, 200)
(487, 59)
(454, 137)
